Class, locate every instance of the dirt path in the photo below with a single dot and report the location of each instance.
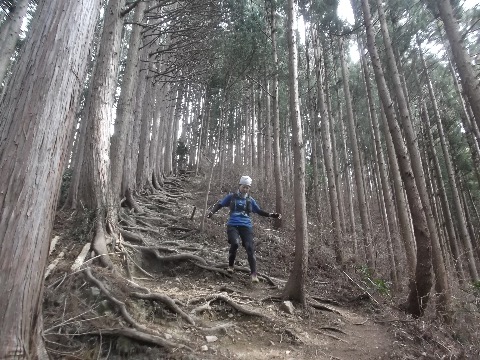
(203, 312)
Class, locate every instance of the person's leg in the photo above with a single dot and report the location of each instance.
(233, 239)
(246, 233)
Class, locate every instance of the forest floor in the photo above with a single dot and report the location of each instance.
(171, 297)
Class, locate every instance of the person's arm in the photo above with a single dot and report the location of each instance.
(256, 209)
(219, 204)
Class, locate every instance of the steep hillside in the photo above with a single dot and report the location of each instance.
(170, 296)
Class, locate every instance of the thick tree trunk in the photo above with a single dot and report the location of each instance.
(32, 154)
(295, 287)
(443, 302)
(420, 290)
(124, 118)
(96, 191)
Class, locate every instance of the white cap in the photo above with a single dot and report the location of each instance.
(246, 180)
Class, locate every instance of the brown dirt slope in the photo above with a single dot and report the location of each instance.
(171, 298)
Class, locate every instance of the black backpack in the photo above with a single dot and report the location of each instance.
(233, 204)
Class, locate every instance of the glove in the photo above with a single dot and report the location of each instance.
(209, 215)
(276, 215)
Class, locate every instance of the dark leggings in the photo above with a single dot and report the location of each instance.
(234, 234)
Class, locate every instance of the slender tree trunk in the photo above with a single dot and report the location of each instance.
(461, 223)
(295, 287)
(10, 31)
(362, 201)
(327, 153)
(387, 198)
(32, 154)
(470, 82)
(276, 122)
(420, 290)
(452, 237)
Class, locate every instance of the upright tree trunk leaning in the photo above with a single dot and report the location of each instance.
(362, 202)
(295, 287)
(387, 198)
(96, 191)
(276, 122)
(32, 158)
(441, 281)
(327, 152)
(420, 289)
(124, 119)
(470, 83)
(447, 214)
(461, 223)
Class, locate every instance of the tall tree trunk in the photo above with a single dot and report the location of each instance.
(295, 287)
(32, 154)
(447, 214)
(387, 198)
(124, 118)
(96, 181)
(9, 34)
(441, 281)
(470, 82)
(277, 167)
(327, 152)
(362, 201)
(461, 223)
(420, 290)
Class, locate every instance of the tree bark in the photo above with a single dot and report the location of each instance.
(295, 287)
(9, 34)
(32, 154)
(362, 202)
(96, 191)
(420, 290)
(124, 118)
(470, 83)
(277, 166)
(327, 152)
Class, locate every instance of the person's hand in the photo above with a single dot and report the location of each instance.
(209, 215)
(276, 215)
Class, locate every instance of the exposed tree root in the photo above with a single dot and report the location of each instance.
(215, 269)
(132, 237)
(168, 301)
(177, 257)
(146, 229)
(230, 302)
(119, 304)
(323, 307)
(141, 336)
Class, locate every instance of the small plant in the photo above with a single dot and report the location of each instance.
(379, 285)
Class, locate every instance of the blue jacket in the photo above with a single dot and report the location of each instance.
(239, 216)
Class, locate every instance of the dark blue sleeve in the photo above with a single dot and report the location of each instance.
(256, 209)
(226, 200)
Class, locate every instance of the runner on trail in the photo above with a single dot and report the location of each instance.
(239, 224)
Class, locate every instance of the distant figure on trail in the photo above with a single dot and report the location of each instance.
(239, 225)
